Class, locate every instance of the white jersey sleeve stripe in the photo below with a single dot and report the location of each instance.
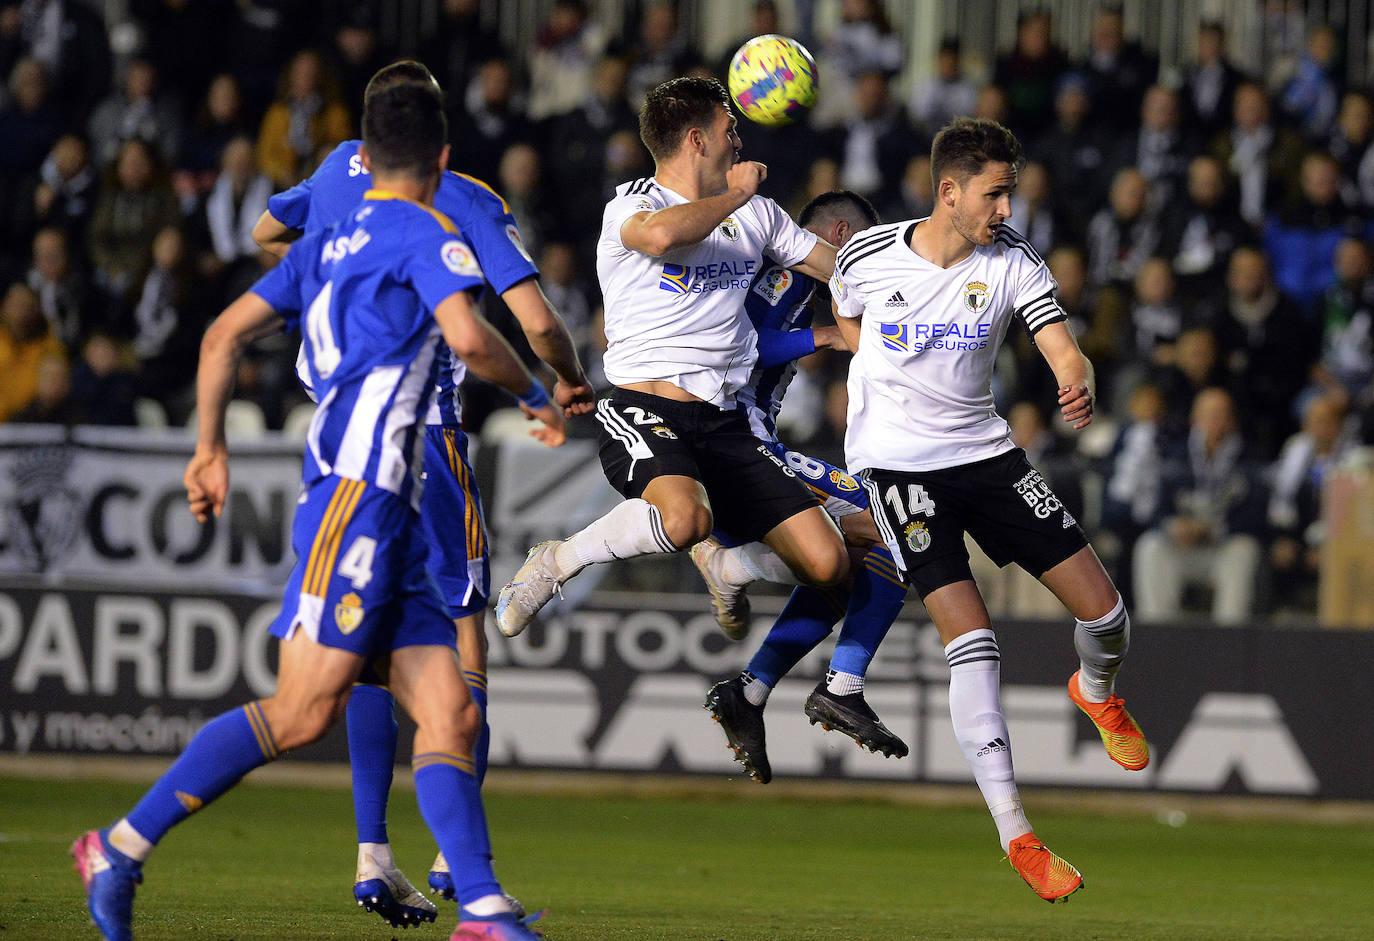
(1013, 239)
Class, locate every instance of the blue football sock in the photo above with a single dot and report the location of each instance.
(228, 747)
(879, 594)
(807, 619)
(451, 804)
(477, 686)
(371, 721)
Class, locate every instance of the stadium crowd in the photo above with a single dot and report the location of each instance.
(1210, 234)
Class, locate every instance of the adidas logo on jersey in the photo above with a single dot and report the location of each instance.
(1069, 521)
(896, 300)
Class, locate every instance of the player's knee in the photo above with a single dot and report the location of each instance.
(686, 523)
(826, 565)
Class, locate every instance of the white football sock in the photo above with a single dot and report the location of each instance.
(633, 528)
(975, 706)
(487, 905)
(755, 690)
(379, 853)
(1101, 646)
(843, 684)
(129, 841)
(751, 562)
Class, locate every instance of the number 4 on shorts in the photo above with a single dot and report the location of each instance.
(918, 502)
(356, 564)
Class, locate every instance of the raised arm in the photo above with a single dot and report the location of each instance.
(207, 474)
(549, 338)
(489, 356)
(273, 236)
(658, 232)
(1072, 371)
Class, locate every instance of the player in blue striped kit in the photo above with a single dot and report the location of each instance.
(451, 511)
(779, 304)
(376, 296)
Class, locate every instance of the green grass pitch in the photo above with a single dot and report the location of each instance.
(276, 862)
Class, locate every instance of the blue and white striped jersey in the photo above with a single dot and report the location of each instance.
(363, 292)
(779, 306)
(483, 217)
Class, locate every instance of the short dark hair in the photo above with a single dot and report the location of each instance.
(842, 203)
(404, 129)
(965, 146)
(398, 73)
(674, 108)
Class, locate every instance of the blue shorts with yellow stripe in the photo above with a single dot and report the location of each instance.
(833, 486)
(454, 529)
(360, 582)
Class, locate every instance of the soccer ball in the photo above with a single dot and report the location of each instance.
(773, 80)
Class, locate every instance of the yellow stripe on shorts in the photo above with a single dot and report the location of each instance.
(325, 550)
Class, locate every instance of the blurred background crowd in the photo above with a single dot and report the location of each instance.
(1209, 226)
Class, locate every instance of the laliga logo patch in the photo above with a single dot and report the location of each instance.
(348, 613)
(730, 229)
(675, 279)
(644, 204)
(513, 234)
(917, 536)
(459, 259)
(976, 296)
(842, 480)
(773, 284)
(894, 337)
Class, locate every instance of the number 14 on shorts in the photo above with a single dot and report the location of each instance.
(917, 503)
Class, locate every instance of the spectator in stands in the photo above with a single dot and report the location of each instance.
(1119, 71)
(1077, 151)
(136, 201)
(662, 51)
(1301, 237)
(307, 115)
(52, 402)
(459, 45)
(1210, 81)
(62, 194)
(1123, 234)
(1097, 313)
(763, 20)
(1269, 347)
(1296, 496)
(1310, 98)
(30, 121)
(1154, 322)
(1264, 157)
(1029, 74)
(939, 97)
(992, 104)
(61, 287)
(1160, 148)
(1032, 208)
(569, 293)
(576, 144)
(1207, 526)
(878, 141)
(1345, 370)
(226, 218)
(915, 193)
(103, 382)
(25, 342)
(1199, 232)
(490, 120)
(862, 42)
(71, 41)
(1194, 363)
(139, 108)
(219, 119)
(1031, 432)
(170, 314)
(1350, 144)
(568, 52)
(1134, 471)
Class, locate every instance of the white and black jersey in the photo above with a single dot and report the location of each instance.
(920, 386)
(680, 317)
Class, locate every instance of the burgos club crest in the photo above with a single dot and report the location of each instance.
(976, 296)
(917, 536)
(729, 228)
(348, 613)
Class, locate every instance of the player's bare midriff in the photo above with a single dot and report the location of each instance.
(662, 389)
